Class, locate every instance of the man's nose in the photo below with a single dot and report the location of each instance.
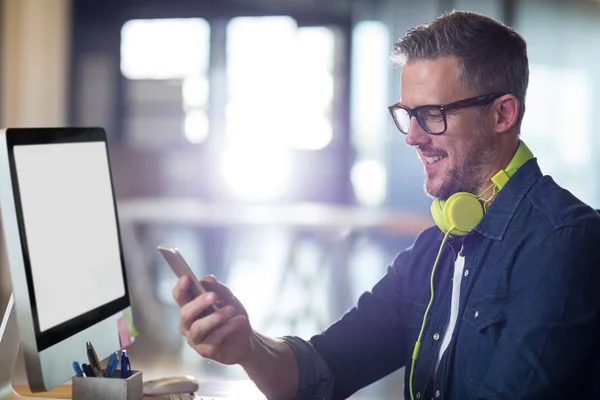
(416, 134)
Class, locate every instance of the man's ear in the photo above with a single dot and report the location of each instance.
(506, 113)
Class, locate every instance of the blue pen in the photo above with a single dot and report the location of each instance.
(111, 366)
(125, 364)
(77, 368)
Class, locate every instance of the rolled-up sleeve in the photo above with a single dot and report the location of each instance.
(364, 345)
(315, 381)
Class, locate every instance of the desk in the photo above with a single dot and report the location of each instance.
(244, 389)
(61, 392)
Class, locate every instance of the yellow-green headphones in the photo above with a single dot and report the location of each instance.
(462, 211)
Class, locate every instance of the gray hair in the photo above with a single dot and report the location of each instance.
(492, 56)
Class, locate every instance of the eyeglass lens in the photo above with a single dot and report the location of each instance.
(431, 119)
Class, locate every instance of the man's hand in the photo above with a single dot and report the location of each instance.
(227, 337)
(224, 336)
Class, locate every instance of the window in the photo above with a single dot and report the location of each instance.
(281, 83)
(165, 63)
(279, 99)
(558, 127)
(369, 117)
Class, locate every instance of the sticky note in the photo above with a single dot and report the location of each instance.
(124, 337)
(129, 320)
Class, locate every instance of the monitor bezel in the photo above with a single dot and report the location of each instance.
(41, 136)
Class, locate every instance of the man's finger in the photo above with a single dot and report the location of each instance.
(201, 328)
(216, 337)
(181, 291)
(212, 285)
(211, 346)
(190, 312)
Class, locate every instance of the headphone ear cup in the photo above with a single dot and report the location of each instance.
(462, 211)
(437, 212)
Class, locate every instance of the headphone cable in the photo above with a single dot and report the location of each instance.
(418, 343)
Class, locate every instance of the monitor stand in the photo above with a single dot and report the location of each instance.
(9, 350)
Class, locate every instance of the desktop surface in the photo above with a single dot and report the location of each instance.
(213, 390)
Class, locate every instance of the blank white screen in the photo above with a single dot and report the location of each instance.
(71, 228)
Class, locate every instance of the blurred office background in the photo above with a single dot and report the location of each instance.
(254, 136)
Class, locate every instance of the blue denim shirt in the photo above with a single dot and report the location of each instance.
(528, 323)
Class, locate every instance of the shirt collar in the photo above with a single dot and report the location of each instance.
(499, 214)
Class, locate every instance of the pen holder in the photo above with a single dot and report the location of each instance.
(105, 388)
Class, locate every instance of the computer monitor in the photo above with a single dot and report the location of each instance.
(61, 231)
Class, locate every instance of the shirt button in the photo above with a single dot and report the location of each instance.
(476, 314)
(418, 395)
(436, 336)
(437, 393)
(466, 273)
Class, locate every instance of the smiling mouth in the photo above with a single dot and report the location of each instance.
(431, 160)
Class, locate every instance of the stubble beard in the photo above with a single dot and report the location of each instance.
(469, 175)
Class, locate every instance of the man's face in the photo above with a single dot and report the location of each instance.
(458, 159)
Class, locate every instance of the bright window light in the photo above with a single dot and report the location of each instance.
(164, 48)
(195, 92)
(280, 80)
(196, 126)
(256, 172)
(369, 179)
(162, 53)
(370, 83)
(370, 86)
(562, 143)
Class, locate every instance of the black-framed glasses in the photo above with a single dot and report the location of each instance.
(432, 118)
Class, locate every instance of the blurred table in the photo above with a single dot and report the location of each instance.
(245, 390)
(61, 392)
(318, 216)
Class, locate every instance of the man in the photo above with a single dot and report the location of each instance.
(515, 310)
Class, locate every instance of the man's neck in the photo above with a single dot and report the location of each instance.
(488, 191)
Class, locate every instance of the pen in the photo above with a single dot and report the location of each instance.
(77, 368)
(89, 354)
(93, 358)
(125, 364)
(87, 370)
(111, 366)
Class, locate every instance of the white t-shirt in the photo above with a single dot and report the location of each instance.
(459, 266)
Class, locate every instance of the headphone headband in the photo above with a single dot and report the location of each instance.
(522, 155)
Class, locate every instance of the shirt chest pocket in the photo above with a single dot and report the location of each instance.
(484, 313)
(482, 323)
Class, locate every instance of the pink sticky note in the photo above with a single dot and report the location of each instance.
(123, 332)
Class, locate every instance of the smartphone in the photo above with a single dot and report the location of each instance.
(181, 268)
